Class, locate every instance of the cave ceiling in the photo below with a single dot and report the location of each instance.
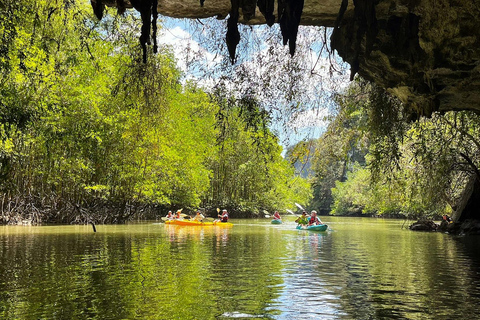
(425, 52)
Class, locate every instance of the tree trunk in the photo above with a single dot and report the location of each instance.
(468, 207)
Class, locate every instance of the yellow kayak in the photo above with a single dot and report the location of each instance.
(198, 223)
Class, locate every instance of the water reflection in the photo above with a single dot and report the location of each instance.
(365, 269)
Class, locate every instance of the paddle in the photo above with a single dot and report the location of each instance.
(267, 214)
(164, 218)
(290, 211)
(299, 206)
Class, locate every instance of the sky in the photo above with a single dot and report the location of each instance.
(297, 91)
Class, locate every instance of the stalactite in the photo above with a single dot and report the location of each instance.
(233, 36)
(248, 9)
(281, 8)
(149, 14)
(364, 25)
(289, 15)
(154, 24)
(147, 9)
(98, 8)
(121, 6)
(266, 7)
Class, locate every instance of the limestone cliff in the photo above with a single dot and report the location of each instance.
(426, 52)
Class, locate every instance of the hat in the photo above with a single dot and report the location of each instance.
(224, 210)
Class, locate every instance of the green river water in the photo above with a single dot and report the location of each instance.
(362, 268)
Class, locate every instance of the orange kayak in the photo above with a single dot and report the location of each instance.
(198, 223)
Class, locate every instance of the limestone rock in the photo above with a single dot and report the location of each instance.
(425, 52)
(315, 12)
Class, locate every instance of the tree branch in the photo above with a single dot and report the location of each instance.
(471, 164)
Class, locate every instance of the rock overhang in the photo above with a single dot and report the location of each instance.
(426, 53)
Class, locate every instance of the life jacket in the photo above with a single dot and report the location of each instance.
(225, 217)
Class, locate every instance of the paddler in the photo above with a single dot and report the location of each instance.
(302, 220)
(199, 216)
(314, 220)
(224, 216)
(276, 216)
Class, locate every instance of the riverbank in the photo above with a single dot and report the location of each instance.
(35, 211)
(470, 227)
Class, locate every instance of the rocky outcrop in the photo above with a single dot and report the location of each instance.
(425, 52)
(423, 225)
(466, 227)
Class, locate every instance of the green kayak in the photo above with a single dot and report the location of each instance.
(318, 227)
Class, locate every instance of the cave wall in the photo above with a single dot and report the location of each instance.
(425, 52)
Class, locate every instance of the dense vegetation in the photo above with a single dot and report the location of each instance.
(90, 132)
(372, 160)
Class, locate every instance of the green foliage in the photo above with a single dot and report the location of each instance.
(249, 172)
(344, 143)
(414, 168)
(83, 122)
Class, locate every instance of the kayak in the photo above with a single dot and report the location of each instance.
(198, 223)
(276, 221)
(318, 227)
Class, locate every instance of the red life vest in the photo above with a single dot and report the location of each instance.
(225, 217)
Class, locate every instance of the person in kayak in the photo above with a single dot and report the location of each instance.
(276, 216)
(177, 216)
(199, 216)
(302, 220)
(170, 215)
(314, 220)
(224, 216)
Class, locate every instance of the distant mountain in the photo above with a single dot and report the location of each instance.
(300, 155)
